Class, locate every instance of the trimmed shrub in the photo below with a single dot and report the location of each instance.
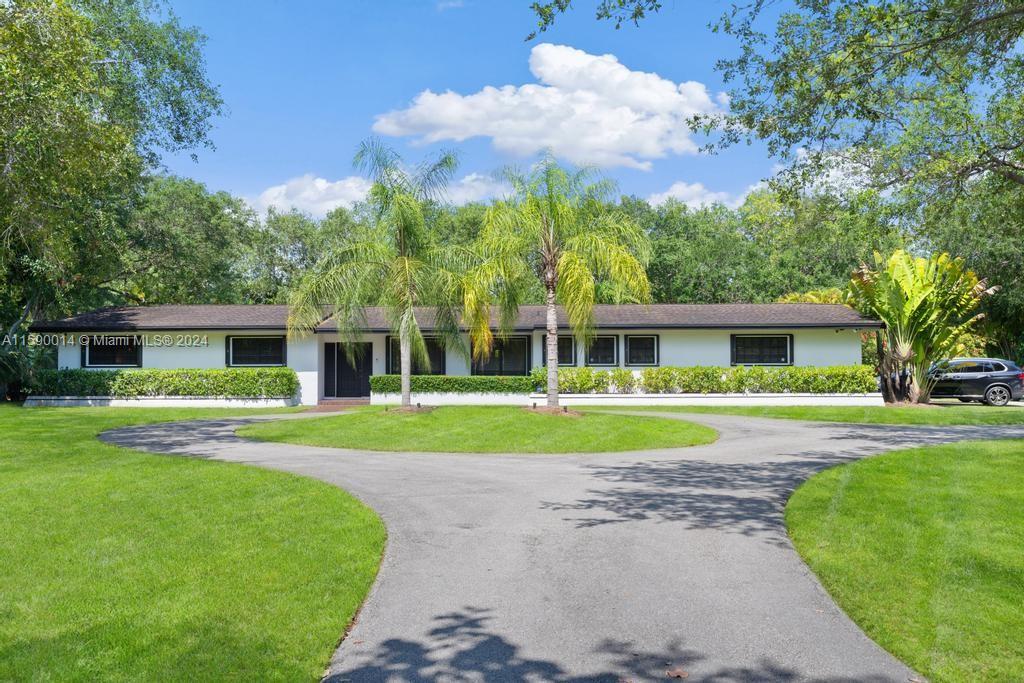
(623, 380)
(73, 383)
(583, 381)
(843, 379)
(659, 380)
(539, 378)
(840, 379)
(447, 384)
(700, 380)
(226, 383)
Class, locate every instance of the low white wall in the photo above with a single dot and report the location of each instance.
(157, 402)
(717, 399)
(445, 399)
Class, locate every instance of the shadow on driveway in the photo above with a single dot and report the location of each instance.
(463, 647)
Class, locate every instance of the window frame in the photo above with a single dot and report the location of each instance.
(388, 355)
(528, 339)
(657, 350)
(85, 352)
(615, 355)
(544, 350)
(229, 352)
(789, 349)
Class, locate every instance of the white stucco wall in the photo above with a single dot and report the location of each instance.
(305, 355)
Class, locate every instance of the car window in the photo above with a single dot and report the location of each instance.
(968, 366)
(998, 367)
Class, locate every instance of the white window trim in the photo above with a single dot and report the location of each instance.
(231, 351)
(614, 363)
(657, 350)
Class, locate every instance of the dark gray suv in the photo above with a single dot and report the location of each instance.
(992, 380)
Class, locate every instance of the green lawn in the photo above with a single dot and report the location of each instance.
(924, 549)
(119, 565)
(945, 414)
(490, 429)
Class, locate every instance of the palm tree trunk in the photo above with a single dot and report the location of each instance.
(405, 352)
(552, 349)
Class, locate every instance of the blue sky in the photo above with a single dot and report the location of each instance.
(305, 82)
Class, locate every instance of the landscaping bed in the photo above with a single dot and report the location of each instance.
(201, 388)
(698, 385)
(924, 549)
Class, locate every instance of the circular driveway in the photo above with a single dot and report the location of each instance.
(605, 567)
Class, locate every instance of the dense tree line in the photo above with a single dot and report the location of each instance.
(95, 91)
(185, 244)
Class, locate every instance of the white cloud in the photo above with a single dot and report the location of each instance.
(476, 187)
(693, 195)
(588, 109)
(317, 196)
(443, 5)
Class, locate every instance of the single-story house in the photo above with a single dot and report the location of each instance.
(628, 336)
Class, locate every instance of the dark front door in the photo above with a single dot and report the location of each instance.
(344, 376)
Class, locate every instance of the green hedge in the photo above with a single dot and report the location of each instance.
(840, 379)
(445, 384)
(228, 382)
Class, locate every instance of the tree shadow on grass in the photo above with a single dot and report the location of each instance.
(464, 647)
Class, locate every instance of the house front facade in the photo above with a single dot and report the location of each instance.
(627, 336)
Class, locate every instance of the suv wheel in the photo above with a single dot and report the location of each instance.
(997, 396)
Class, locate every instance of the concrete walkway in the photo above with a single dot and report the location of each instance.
(608, 567)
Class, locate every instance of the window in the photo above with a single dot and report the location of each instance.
(435, 353)
(970, 366)
(112, 352)
(603, 351)
(510, 356)
(255, 351)
(764, 349)
(642, 350)
(566, 350)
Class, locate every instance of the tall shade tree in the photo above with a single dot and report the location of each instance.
(556, 229)
(394, 263)
(916, 91)
(92, 92)
(927, 305)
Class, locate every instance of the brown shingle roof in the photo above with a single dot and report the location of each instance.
(275, 317)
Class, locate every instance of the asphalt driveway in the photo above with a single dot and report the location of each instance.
(606, 567)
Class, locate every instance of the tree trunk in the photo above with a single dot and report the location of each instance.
(26, 312)
(405, 351)
(884, 370)
(552, 349)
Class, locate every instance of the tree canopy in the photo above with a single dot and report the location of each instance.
(93, 92)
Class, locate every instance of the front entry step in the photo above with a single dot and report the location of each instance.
(329, 404)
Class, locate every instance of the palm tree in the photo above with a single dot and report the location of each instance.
(555, 230)
(393, 263)
(928, 306)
